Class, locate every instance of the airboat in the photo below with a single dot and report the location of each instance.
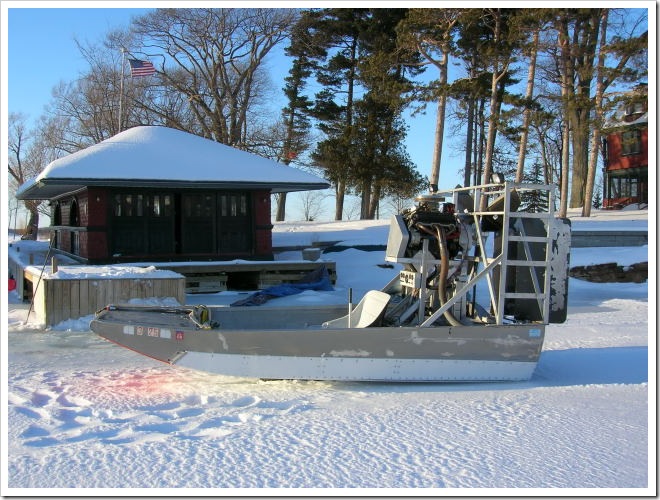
(498, 242)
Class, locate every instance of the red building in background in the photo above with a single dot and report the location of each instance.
(625, 176)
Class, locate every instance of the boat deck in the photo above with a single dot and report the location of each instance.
(228, 318)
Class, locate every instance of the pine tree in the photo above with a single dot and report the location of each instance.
(534, 200)
(364, 84)
(296, 113)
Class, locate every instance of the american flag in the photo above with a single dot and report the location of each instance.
(141, 68)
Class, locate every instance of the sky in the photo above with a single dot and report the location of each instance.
(41, 51)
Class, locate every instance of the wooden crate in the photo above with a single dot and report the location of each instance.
(206, 283)
(57, 300)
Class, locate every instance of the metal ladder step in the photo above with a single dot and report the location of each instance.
(529, 263)
(524, 295)
(531, 239)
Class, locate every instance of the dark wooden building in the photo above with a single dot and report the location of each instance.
(159, 194)
(625, 175)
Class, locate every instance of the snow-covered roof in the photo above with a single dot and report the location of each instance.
(621, 119)
(162, 157)
(632, 112)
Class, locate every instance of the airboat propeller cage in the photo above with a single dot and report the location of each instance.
(527, 273)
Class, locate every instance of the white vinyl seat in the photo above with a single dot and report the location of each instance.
(370, 310)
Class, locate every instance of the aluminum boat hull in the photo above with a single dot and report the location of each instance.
(276, 343)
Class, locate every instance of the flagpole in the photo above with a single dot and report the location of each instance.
(121, 84)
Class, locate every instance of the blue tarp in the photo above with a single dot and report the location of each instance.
(318, 279)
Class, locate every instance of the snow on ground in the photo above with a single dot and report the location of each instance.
(84, 413)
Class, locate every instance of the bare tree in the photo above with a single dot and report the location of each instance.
(352, 209)
(214, 58)
(87, 108)
(312, 204)
(27, 157)
(398, 203)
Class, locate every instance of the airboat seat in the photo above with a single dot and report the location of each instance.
(369, 312)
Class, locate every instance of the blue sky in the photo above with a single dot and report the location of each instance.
(41, 52)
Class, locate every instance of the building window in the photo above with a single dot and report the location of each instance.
(167, 205)
(57, 216)
(624, 187)
(160, 205)
(233, 205)
(138, 205)
(155, 206)
(127, 205)
(636, 108)
(116, 206)
(74, 218)
(631, 142)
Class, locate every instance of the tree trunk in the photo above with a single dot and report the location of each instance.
(566, 92)
(493, 120)
(595, 138)
(528, 112)
(340, 191)
(365, 200)
(440, 120)
(479, 139)
(565, 160)
(495, 103)
(591, 172)
(375, 198)
(547, 167)
(470, 146)
(341, 184)
(467, 173)
(32, 227)
(583, 54)
(281, 207)
(580, 141)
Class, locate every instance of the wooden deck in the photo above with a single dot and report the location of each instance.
(57, 299)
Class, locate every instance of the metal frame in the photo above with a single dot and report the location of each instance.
(497, 291)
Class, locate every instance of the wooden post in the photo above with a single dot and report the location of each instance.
(53, 264)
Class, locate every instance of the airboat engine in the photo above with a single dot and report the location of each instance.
(433, 241)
